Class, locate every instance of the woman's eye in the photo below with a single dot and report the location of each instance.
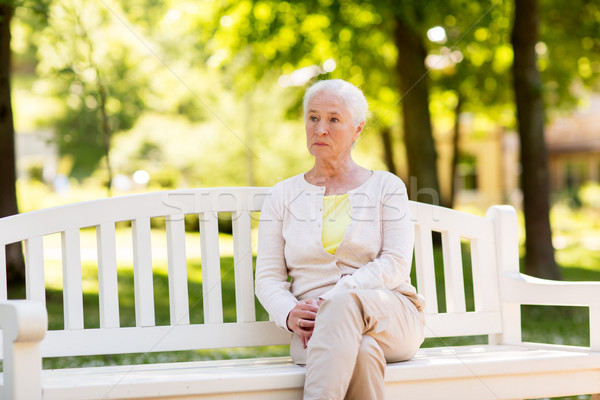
(313, 119)
(334, 119)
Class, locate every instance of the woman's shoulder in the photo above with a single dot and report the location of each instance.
(388, 180)
(289, 186)
(291, 182)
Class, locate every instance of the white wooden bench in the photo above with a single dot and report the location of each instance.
(506, 368)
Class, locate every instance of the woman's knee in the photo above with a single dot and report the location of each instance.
(369, 352)
(341, 303)
(341, 313)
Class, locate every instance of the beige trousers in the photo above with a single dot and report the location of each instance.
(356, 333)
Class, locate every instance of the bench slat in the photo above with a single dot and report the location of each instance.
(425, 267)
(142, 272)
(443, 219)
(485, 288)
(178, 285)
(462, 324)
(244, 274)
(453, 272)
(34, 271)
(3, 282)
(72, 286)
(211, 268)
(162, 338)
(108, 289)
(124, 208)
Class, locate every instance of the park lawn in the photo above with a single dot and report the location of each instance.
(539, 322)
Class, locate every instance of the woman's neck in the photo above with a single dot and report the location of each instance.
(325, 171)
(338, 178)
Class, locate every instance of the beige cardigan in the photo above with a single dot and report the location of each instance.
(376, 251)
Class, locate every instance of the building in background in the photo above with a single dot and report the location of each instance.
(37, 156)
(489, 169)
(574, 148)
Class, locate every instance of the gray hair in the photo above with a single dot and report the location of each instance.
(353, 97)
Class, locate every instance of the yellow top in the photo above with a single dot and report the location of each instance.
(336, 218)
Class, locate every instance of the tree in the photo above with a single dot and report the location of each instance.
(15, 267)
(470, 63)
(414, 89)
(93, 63)
(539, 259)
(565, 50)
(568, 51)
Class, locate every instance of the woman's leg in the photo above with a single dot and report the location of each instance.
(333, 350)
(367, 378)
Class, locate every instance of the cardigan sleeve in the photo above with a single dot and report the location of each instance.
(391, 268)
(272, 285)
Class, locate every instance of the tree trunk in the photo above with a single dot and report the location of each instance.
(15, 266)
(539, 260)
(455, 151)
(420, 149)
(388, 153)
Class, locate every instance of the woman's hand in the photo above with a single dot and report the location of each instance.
(301, 320)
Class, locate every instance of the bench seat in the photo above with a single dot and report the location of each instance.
(478, 372)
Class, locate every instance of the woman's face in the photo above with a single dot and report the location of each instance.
(330, 129)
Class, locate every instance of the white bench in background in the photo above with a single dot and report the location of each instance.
(506, 368)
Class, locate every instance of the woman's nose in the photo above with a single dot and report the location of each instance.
(321, 128)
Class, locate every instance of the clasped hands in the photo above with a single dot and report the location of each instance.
(301, 320)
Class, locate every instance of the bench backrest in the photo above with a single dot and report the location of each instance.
(477, 233)
(180, 334)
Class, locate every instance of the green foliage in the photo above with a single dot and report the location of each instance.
(569, 52)
(219, 64)
(253, 39)
(79, 134)
(473, 63)
(31, 16)
(95, 72)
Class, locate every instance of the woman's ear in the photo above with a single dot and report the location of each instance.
(359, 129)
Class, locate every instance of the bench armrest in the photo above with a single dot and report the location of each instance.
(23, 324)
(519, 288)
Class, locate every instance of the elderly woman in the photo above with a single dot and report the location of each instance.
(334, 257)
